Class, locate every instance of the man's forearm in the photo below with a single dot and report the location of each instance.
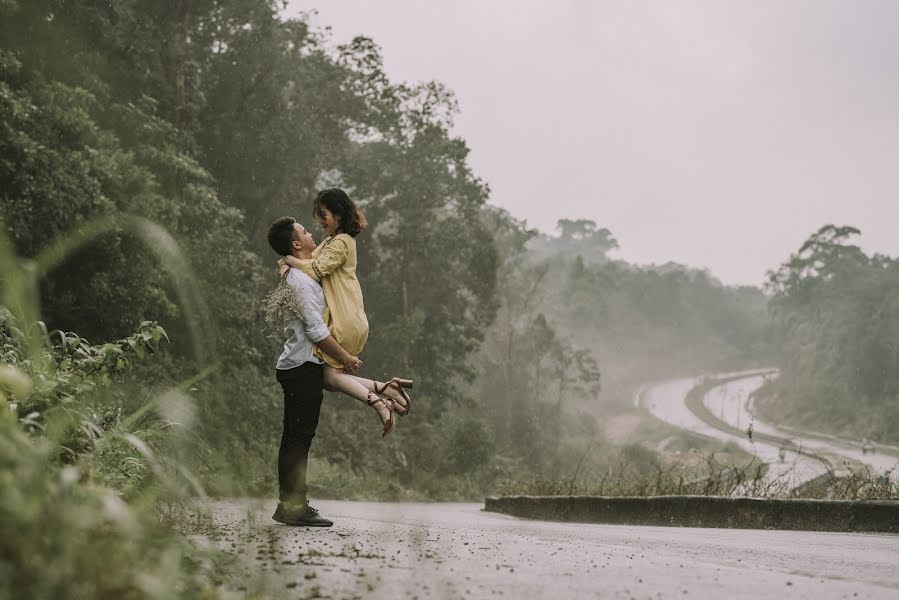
(330, 345)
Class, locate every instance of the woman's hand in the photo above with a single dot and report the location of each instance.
(283, 268)
(292, 261)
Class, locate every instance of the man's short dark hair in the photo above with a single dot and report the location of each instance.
(281, 235)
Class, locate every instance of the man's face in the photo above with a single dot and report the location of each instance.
(303, 237)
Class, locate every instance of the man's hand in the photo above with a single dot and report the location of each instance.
(283, 268)
(351, 364)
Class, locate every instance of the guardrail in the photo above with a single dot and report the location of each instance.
(706, 511)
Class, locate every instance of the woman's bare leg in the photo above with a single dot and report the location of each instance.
(399, 403)
(337, 381)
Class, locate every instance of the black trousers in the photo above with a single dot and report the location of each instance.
(303, 387)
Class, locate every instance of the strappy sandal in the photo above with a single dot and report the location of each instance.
(373, 399)
(398, 384)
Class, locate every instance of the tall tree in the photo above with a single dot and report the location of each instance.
(835, 319)
(74, 147)
(430, 263)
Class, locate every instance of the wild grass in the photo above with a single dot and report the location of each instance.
(709, 478)
(91, 481)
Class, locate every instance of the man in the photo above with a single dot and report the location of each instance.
(300, 374)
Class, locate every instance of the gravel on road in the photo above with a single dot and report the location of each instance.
(406, 550)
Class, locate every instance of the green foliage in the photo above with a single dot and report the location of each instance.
(566, 309)
(213, 117)
(429, 265)
(61, 537)
(75, 446)
(69, 369)
(468, 444)
(577, 237)
(653, 322)
(75, 397)
(835, 315)
(66, 528)
(74, 148)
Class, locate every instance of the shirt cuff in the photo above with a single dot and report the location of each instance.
(317, 334)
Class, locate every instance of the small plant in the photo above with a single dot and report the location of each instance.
(68, 367)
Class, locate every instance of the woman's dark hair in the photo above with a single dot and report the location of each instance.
(351, 220)
(281, 235)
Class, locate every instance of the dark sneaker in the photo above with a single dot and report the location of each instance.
(301, 515)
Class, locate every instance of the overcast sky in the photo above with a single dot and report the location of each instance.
(715, 133)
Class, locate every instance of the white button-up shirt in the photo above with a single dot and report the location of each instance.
(308, 330)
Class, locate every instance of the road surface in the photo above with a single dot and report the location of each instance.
(378, 550)
(667, 401)
(732, 403)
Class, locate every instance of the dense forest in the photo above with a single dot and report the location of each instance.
(213, 118)
(835, 314)
(578, 331)
(144, 149)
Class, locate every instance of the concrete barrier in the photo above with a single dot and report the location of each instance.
(706, 511)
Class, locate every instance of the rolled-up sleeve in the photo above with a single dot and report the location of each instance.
(332, 255)
(306, 267)
(328, 259)
(312, 306)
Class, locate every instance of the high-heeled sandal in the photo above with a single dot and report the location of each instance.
(390, 423)
(398, 384)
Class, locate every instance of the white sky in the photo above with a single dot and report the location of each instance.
(716, 133)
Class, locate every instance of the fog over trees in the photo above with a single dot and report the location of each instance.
(835, 324)
(211, 118)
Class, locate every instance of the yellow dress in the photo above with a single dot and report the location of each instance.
(333, 264)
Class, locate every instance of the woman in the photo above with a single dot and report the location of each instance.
(333, 264)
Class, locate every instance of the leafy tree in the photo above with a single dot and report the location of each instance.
(835, 319)
(578, 237)
(278, 113)
(429, 264)
(530, 370)
(212, 117)
(74, 149)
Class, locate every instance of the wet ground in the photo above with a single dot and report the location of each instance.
(389, 550)
(732, 402)
(667, 402)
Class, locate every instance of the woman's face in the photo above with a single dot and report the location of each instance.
(327, 220)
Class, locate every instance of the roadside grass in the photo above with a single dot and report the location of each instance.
(854, 483)
(766, 400)
(625, 478)
(841, 482)
(685, 463)
(710, 478)
(94, 482)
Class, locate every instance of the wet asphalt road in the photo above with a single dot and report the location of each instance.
(731, 401)
(667, 401)
(392, 550)
(734, 401)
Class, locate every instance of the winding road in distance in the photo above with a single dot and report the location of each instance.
(806, 456)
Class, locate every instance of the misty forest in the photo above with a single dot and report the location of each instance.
(146, 147)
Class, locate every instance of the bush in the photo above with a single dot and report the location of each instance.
(71, 453)
(62, 536)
